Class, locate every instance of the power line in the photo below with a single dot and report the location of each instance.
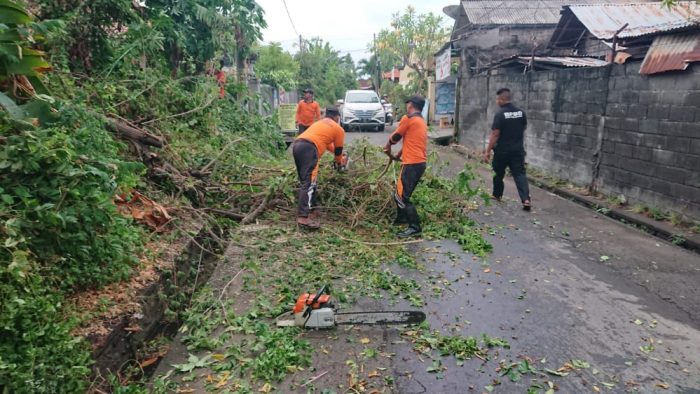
(290, 17)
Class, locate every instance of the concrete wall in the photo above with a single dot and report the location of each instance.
(609, 127)
(484, 45)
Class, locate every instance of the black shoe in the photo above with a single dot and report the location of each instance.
(527, 205)
(409, 232)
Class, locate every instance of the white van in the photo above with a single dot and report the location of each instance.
(360, 110)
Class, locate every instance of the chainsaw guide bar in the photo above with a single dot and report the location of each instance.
(388, 317)
(318, 312)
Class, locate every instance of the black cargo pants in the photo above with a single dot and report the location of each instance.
(515, 160)
(306, 160)
(408, 180)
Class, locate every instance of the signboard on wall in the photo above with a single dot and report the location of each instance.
(443, 65)
(287, 116)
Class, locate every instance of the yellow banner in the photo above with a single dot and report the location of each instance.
(287, 116)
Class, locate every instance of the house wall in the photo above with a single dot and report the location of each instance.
(484, 45)
(607, 127)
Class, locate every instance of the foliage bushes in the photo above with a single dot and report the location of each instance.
(60, 170)
(60, 233)
(57, 187)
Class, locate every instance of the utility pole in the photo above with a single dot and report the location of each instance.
(376, 61)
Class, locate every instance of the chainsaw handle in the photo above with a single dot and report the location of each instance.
(315, 300)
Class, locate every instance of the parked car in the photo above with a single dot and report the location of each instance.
(361, 110)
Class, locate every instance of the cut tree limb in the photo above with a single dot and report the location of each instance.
(133, 133)
(228, 214)
(261, 208)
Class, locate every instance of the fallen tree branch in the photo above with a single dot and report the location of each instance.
(386, 168)
(208, 166)
(263, 169)
(308, 382)
(201, 107)
(260, 209)
(231, 215)
(132, 133)
(413, 241)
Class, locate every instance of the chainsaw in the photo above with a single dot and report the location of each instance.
(317, 311)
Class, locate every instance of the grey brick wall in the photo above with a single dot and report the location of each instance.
(610, 127)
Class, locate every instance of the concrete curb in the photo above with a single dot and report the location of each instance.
(650, 226)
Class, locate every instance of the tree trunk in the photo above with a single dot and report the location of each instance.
(134, 134)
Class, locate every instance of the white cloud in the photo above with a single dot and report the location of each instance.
(347, 25)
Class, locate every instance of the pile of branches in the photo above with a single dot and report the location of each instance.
(359, 194)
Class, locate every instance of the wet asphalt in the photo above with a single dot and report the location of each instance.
(563, 283)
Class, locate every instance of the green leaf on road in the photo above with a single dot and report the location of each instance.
(579, 364)
(604, 258)
(647, 348)
(435, 368)
(556, 373)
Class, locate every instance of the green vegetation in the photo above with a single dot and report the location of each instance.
(414, 39)
(64, 156)
(324, 70)
(277, 67)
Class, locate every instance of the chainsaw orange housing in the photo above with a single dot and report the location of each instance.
(306, 299)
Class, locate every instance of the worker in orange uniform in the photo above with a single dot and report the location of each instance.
(414, 132)
(308, 148)
(308, 111)
(221, 80)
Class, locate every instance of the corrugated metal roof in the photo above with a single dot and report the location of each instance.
(603, 20)
(567, 61)
(671, 52)
(519, 12)
(513, 12)
(556, 61)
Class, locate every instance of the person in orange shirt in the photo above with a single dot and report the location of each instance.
(308, 148)
(414, 132)
(308, 111)
(221, 80)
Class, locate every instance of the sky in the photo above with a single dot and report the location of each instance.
(347, 25)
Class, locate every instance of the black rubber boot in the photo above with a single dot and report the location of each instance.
(411, 231)
(400, 217)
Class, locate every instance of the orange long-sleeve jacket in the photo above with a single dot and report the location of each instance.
(326, 134)
(308, 112)
(414, 132)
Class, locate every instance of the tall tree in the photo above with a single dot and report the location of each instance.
(196, 30)
(276, 67)
(190, 32)
(324, 70)
(88, 27)
(414, 38)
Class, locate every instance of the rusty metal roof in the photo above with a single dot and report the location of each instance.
(603, 20)
(672, 52)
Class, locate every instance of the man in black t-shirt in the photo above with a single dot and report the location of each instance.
(506, 141)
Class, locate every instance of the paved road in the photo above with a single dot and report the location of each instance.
(378, 138)
(563, 283)
(566, 283)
